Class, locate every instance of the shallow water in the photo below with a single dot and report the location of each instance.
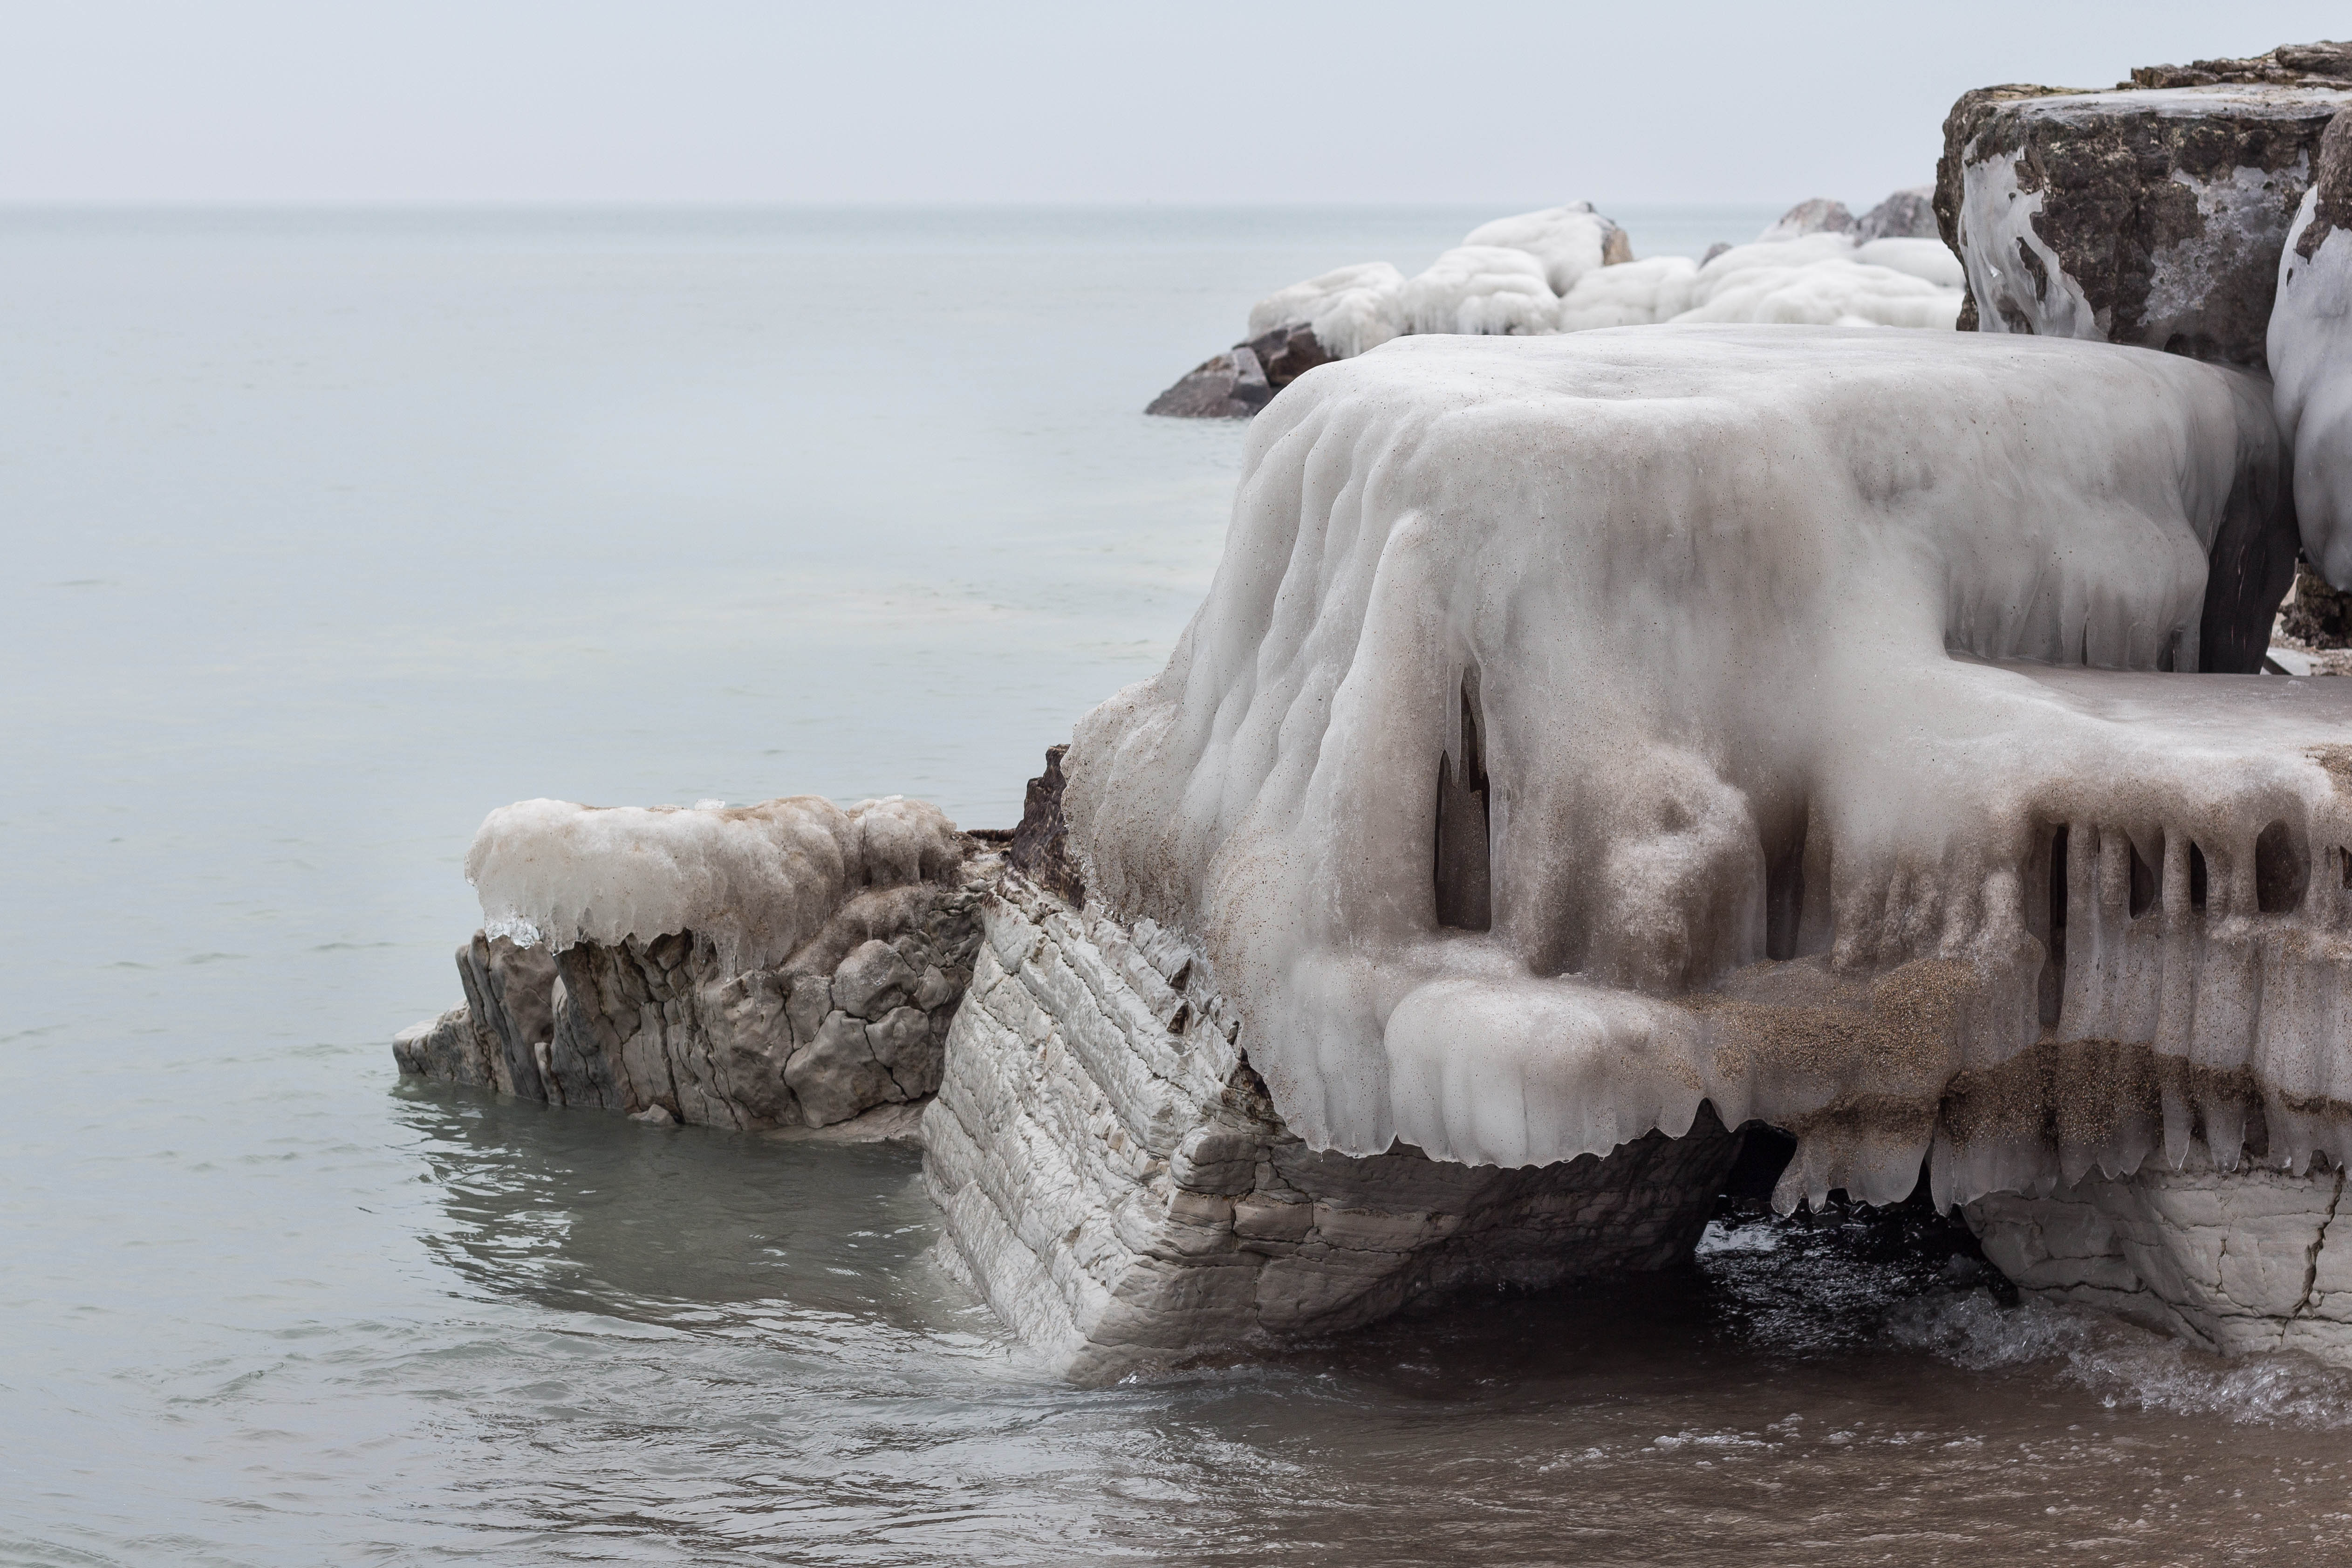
(326, 533)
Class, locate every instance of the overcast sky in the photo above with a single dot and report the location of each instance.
(1198, 100)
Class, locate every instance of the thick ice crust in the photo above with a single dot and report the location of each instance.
(1115, 1183)
(790, 963)
(2311, 355)
(1680, 638)
(757, 881)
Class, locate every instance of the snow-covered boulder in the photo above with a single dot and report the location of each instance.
(786, 963)
(2149, 217)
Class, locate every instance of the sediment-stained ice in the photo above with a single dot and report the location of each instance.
(1581, 729)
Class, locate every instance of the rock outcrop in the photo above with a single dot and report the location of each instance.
(2152, 215)
(2242, 1260)
(1115, 1182)
(700, 1020)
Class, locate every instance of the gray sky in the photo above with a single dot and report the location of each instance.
(1200, 101)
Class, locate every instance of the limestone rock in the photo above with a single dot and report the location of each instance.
(2247, 1258)
(2150, 215)
(854, 1017)
(1115, 1182)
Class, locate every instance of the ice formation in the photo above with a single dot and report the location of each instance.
(1581, 729)
(2310, 346)
(1351, 309)
(756, 881)
(1567, 270)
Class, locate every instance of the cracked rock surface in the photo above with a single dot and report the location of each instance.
(2234, 1260)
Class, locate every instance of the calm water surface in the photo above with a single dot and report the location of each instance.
(326, 533)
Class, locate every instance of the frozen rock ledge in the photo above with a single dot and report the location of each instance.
(790, 963)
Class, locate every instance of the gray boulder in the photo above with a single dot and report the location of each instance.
(2152, 215)
(1906, 214)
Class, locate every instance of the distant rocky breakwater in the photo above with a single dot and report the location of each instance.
(1358, 959)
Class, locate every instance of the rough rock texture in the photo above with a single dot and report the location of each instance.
(1115, 1182)
(1040, 849)
(2145, 216)
(2288, 65)
(2246, 1260)
(855, 1018)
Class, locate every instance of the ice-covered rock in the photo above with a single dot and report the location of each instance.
(1570, 242)
(2153, 217)
(1583, 729)
(1483, 288)
(1349, 309)
(2310, 348)
(1569, 269)
(788, 963)
(1115, 1183)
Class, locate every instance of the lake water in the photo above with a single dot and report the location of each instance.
(326, 533)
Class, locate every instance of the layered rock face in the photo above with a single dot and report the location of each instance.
(807, 1001)
(2249, 1259)
(1117, 1183)
(2153, 215)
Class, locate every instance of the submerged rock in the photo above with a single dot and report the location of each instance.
(2150, 214)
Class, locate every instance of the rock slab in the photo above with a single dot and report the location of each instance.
(2151, 216)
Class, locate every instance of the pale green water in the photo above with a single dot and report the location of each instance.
(326, 532)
